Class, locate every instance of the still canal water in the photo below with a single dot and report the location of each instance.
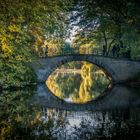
(77, 102)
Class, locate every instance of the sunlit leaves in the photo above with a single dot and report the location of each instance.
(14, 28)
(24, 26)
(6, 49)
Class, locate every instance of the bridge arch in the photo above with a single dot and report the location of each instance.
(106, 68)
(121, 70)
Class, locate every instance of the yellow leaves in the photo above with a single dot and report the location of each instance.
(3, 39)
(86, 70)
(51, 83)
(6, 49)
(5, 130)
(53, 47)
(87, 47)
(84, 92)
(20, 19)
(10, 36)
(19, 57)
(14, 28)
(36, 118)
(39, 40)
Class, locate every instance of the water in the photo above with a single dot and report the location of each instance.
(78, 82)
(35, 113)
(28, 114)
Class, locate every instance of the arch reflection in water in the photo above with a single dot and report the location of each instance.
(78, 82)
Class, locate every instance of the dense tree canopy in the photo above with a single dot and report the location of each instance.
(107, 22)
(24, 25)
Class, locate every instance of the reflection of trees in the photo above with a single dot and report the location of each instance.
(108, 125)
(15, 114)
(103, 124)
(20, 120)
(63, 85)
(93, 125)
(52, 84)
(87, 82)
(79, 88)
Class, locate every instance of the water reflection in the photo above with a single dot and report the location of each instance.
(21, 118)
(78, 82)
(93, 125)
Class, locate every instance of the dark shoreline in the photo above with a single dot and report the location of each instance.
(133, 84)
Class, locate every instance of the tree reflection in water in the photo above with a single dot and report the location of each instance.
(78, 82)
(20, 119)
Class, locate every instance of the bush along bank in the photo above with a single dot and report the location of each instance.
(15, 74)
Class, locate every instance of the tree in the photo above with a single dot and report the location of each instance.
(23, 25)
(107, 22)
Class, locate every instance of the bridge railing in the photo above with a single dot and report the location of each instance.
(54, 52)
(94, 51)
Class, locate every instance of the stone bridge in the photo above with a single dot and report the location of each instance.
(119, 69)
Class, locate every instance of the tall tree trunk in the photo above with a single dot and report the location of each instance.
(109, 46)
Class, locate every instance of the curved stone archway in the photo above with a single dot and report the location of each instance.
(119, 69)
(108, 71)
